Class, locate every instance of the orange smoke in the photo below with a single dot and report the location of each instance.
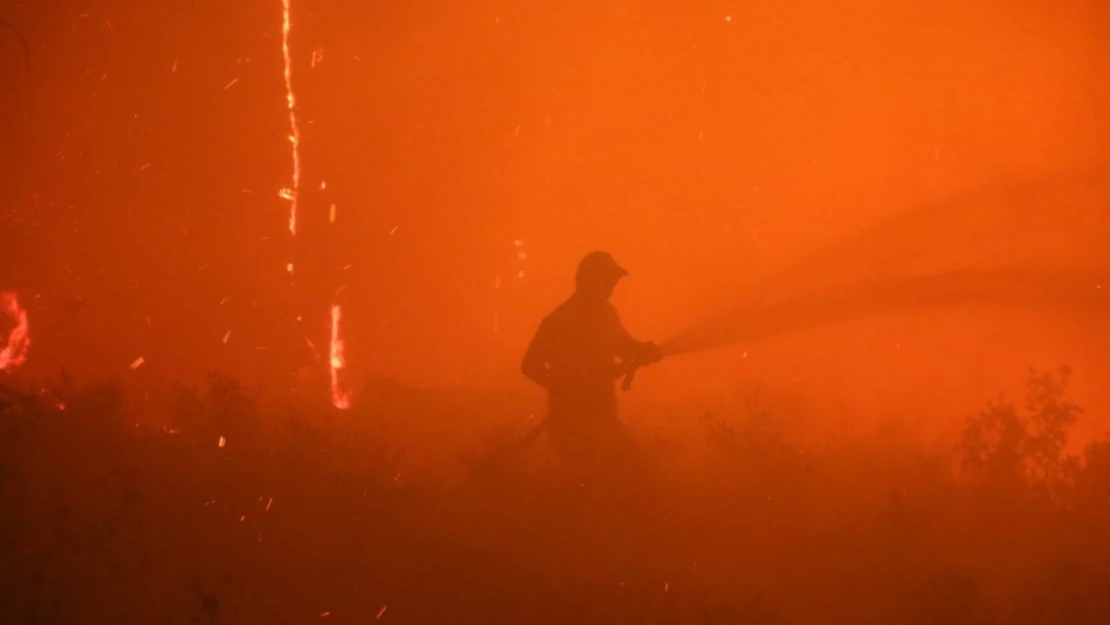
(14, 352)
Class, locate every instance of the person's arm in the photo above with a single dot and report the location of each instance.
(534, 364)
(630, 350)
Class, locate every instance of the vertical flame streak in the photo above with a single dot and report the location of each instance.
(14, 351)
(294, 130)
(339, 397)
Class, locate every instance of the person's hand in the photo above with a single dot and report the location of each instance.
(651, 352)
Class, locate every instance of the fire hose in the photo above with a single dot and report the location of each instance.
(1018, 286)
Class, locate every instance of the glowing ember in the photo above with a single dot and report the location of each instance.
(380, 613)
(227, 336)
(14, 351)
(137, 363)
(222, 442)
(339, 398)
(295, 133)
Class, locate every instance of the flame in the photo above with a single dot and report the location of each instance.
(294, 130)
(14, 352)
(340, 398)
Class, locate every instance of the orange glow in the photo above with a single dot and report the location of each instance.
(14, 352)
(339, 397)
(849, 229)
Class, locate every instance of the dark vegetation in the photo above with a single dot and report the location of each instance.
(304, 518)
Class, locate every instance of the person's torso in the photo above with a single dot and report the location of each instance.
(581, 361)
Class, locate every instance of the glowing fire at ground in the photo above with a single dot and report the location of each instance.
(340, 398)
(14, 350)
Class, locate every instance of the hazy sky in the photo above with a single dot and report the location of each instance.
(475, 150)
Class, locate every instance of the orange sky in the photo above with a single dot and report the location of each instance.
(705, 144)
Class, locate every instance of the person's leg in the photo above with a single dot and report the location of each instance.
(572, 444)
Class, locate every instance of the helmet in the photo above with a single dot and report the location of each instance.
(599, 266)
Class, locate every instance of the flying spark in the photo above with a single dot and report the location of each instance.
(222, 442)
(14, 352)
(339, 398)
(137, 363)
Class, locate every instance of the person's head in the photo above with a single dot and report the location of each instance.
(598, 274)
